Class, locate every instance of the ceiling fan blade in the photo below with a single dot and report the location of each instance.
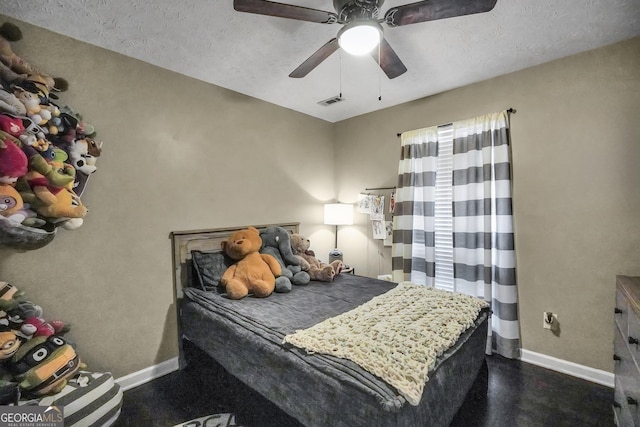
(281, 10)
(389, 61)
(431, 10)
(314, 60)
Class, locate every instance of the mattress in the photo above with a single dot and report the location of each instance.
(246, 338)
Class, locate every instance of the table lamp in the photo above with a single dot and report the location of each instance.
(337, 214)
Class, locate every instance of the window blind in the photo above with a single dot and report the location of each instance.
(443, 214)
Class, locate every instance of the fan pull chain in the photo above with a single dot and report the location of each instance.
(379, 74)
(340, 79)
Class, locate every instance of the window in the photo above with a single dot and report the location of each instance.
(453, 226)
(443, 211)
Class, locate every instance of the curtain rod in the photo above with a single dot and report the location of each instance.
(509, 110)
(379, 188)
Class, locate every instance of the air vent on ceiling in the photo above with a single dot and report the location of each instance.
(331, 100)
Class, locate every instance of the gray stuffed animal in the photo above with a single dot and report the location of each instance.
(276, 241)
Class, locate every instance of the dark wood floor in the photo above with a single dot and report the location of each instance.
(519, 394)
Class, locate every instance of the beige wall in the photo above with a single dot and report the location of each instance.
(180, 154)
(576, 171)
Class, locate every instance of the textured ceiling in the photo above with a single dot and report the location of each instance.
(254, 54)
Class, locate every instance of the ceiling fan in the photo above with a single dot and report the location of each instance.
(362, 16)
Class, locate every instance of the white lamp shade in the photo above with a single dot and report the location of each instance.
(338, 214)
(360, 38)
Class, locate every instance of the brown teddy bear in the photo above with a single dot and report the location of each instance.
(252, 272)
(317, 270)
(14, 69)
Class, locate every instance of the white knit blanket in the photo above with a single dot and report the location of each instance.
(397, 335)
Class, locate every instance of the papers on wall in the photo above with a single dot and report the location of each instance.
(373, 205)
(392, 203)
(388, 237)
(378, 228)
(377, 208)
(364, 203)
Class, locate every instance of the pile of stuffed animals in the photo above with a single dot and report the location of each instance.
(271, 260)
(47, 152)
(35, 359)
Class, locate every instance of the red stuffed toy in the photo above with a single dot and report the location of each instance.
(13, 162)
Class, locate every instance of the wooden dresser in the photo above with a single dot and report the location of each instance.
(627, 352)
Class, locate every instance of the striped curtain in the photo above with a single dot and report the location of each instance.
(482, 255)
(413, 252)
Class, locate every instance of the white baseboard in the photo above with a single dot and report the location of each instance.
(597, 376)
(580, 371)
(147, 374)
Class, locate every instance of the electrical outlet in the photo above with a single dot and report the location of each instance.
(549, 320)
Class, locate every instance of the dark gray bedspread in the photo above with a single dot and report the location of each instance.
(246, 337)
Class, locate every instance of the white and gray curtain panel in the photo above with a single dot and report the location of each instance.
(453, 224)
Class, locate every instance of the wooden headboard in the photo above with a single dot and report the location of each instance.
(183, 242)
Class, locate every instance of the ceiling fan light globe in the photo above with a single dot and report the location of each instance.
(360, 38)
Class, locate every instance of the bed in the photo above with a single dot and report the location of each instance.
(247, 337)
